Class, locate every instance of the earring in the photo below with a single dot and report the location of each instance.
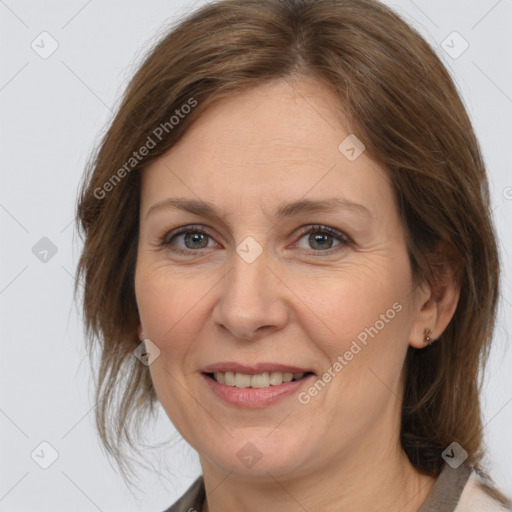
(428, 339)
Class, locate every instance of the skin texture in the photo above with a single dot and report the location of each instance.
(298, 303)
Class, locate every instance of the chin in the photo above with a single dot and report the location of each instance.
(256, 456)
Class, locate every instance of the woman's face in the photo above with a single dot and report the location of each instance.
(274, 284)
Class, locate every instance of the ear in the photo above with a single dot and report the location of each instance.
(436, 303)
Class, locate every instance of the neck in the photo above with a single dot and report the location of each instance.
(376, 484)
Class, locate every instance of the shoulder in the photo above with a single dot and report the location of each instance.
(475, 497)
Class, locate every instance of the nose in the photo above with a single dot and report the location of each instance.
(252, 303)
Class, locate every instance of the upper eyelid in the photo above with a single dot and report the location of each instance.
(184, 230)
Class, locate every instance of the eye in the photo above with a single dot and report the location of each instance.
(192, 238)
(321, 238)
(188, 239)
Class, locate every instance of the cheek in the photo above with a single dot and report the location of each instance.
(356, 303)
(170, 306)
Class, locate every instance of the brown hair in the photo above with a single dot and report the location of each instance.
(400, 101)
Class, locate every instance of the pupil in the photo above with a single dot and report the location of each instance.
(195, 238)
(318, 238)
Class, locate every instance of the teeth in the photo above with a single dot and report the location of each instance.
(287, 377)
(261, 380)
(229, 378)
(276, 378)
(242, 380)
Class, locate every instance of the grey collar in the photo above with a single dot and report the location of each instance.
(447, 489)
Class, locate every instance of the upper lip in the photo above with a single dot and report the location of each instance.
(253, 369)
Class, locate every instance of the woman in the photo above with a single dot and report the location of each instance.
(287, 224)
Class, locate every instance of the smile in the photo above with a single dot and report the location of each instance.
(260, 380)
(254, 391)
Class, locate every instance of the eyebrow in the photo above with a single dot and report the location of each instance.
(207, 209)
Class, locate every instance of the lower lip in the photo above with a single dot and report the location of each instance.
(254, 398)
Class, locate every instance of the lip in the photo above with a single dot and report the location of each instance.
(255, 398)
(253, 369)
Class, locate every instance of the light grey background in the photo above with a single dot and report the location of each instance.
(52, 112)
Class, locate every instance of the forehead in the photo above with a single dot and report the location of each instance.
(286, 119)
(279, 140)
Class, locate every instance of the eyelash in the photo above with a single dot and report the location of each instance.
(342, 238)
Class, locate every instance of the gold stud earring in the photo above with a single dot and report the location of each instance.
(428, 339)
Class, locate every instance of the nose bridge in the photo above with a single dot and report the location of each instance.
(249, 271)
(244, 289)
(250, 295)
